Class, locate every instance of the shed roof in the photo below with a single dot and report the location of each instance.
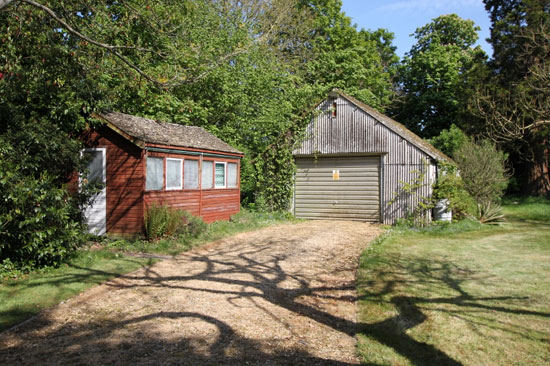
(148, 131)
(397, 128)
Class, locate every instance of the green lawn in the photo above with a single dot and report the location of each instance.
(26, 296)
(459, 295)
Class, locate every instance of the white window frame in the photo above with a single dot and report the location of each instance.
(224, 174)
(173, 188)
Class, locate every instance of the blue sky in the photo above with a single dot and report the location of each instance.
(402, 17)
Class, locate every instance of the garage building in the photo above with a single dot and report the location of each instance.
(355, 161)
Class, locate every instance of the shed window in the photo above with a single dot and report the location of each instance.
(191, 174)
(155, 173)
(173, 173)
(207, 175)
(232, 175)
(220, 175)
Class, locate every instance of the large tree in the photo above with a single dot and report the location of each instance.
(225, 65)
(515, 99)
(437, 74)
(361, 62)
(228, 66)
(245, 70)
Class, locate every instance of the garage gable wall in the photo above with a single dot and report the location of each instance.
(354, 131)
(343, 128)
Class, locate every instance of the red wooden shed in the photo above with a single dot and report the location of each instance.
(142, 161)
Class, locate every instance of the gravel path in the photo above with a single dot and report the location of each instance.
(283, 295)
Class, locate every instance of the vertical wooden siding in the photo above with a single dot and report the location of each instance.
(355, 132)
(124, 181)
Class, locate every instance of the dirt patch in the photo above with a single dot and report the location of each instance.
(278, 296)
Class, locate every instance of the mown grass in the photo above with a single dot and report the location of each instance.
(459, 294)
(27, 295)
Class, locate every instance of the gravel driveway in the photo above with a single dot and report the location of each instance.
(284, 295)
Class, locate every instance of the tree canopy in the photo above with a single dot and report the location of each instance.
(245, 70)
(436, 75)
(514, 100)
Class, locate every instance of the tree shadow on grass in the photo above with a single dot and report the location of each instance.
(442, 277)
(60, 285)
(256, 273)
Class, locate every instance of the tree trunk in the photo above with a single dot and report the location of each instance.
(537, 173)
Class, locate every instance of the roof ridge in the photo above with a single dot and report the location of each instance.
(414, 139)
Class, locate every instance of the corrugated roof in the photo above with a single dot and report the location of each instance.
(164, 133)
(397, 128)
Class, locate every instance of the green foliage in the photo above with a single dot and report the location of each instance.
(245, 71)
(194, 226)
(245, 220)
(361, 63)
(164, 221)
(514, 99)
(489, 213)
(449, 140)
(483, 170)
(509, 19)
(437, 75)
(37, 225)
(450, 186)
(155, 218)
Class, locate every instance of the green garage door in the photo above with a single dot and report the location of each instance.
(338, 188)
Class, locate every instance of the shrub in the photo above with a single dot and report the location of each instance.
(449, 141)
(164, 221)
(155, 221)
(37, 219)
(450, 186)
(489, 213)
(483, 170)
(195, 225)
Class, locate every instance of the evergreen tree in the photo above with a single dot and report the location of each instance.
(515, 99)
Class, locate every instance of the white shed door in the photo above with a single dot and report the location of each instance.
(338, 188)
(96, 212)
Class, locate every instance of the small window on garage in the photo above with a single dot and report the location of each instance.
(232, 175)
(155, 173)
(220, 175)
(191, 174)
(207, 174)
(173, 173)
